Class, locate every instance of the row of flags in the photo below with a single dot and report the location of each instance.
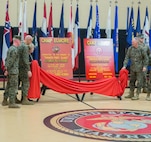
(132, 31)
(73, 30)
(47, 31)
(97, 34)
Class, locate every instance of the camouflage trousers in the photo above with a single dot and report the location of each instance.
(135, 77)
(149, 83)
(23, 77)
(144, 80)
(11, 87)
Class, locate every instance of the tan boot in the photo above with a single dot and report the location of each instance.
(148, 97)
(26, 102)
(144, 90)
(4, 102)
(131, 94)
(136, 97)
(12, 103)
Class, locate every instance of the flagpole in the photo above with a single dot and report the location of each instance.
(79, 70)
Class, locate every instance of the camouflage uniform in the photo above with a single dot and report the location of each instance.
(24, 67)
(149, 82)
(144, 76)
(139, 60)
(11, 64)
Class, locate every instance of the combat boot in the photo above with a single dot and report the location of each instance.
(148, 97)
(136, 97)
(12, 103)
(131, 94)
(144, 90)
(25, 101)
(4, 102)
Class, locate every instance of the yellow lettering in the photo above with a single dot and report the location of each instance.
(46, 40)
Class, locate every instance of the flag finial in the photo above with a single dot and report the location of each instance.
(96, 1)
(110, 2)
(116, 1)
(91, 1)
(139, 2)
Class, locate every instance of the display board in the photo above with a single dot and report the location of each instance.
(55, 54)
(99, 58)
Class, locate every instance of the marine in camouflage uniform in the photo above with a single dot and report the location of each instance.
(11, 65)
(149, 82)
(24, 70)
(147, 50)
(139, 61)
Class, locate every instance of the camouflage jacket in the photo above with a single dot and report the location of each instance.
(138, 58)
(12, 60)
(145, 48)
(24, 64)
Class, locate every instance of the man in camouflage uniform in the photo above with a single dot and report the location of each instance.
(139, 62)
(11, 70)
(24, 69)
(149, 81)
(147, 50)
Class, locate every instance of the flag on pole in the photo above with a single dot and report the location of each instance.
(70, 35)
(20, 20)
(97, 33)
(44, 22)
(130, 34)
(150, 36)
(115, 39)
(34, 34)
(6, 37)
(108, 26)
(138, 24)
(89, 26)
(77, 40)
(25, 28)
(70, 28)
(50, 24)
(146, 28)
(61, 28)
(128, 19)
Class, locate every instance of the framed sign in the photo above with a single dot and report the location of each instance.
(99, 58)
(55, 56)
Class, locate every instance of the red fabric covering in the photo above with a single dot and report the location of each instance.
(110, 86)
(34, 89)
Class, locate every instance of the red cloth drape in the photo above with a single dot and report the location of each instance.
(110, 86)
(34, 89)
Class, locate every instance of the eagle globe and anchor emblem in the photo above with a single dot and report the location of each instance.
(55, 49)
(118, 125)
